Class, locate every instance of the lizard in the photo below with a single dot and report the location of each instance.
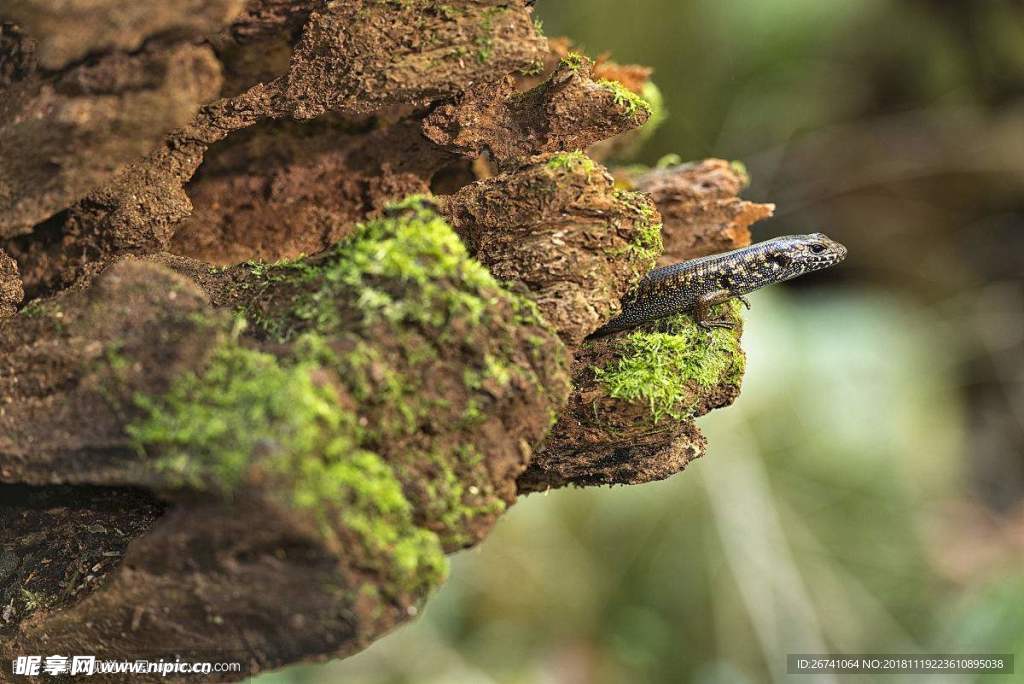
(698, 285)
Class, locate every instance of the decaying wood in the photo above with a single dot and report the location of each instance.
(157, 160)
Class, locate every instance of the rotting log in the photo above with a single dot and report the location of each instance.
(700, 206)
(304, 307)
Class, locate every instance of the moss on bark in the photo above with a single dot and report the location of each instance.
(671, 368)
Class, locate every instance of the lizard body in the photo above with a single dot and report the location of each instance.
(698, 285)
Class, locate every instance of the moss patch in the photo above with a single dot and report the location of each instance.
(207, 427)
(670, 369)
(247, 418)
(572, 161)
(458, 491)
(414, 248)
(625, 98)
(423, 338)
(574, 61)
(647, 246)
(740, 169)
(485, 41)
(454, 503)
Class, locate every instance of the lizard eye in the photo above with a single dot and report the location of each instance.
(817, 248)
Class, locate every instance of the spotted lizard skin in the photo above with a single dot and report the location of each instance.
(695, 286)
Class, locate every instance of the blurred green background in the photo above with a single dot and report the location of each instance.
(865, 492)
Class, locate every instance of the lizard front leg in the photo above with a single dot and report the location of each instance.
(706, 302)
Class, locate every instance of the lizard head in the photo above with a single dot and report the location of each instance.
(784, 258)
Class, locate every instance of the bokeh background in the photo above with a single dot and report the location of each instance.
(865, 492)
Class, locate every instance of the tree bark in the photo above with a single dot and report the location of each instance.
(294, 300)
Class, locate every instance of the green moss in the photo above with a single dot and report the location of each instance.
(669, 370)
(485, 41)
(450, 503)
(647, 246)
(454, 503)
(458, 489)
(33, 600)
(473, 414)
(33, 309)
(207, 427)
(248, 417)
(572, 161)
(407, 273)
(373, 381)
(497, 371)
(575, 61)
(740, 169)
(626, 98)
(469, 454)
(369, 497)
(494, 369)
(407, 268)
(251, 415)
